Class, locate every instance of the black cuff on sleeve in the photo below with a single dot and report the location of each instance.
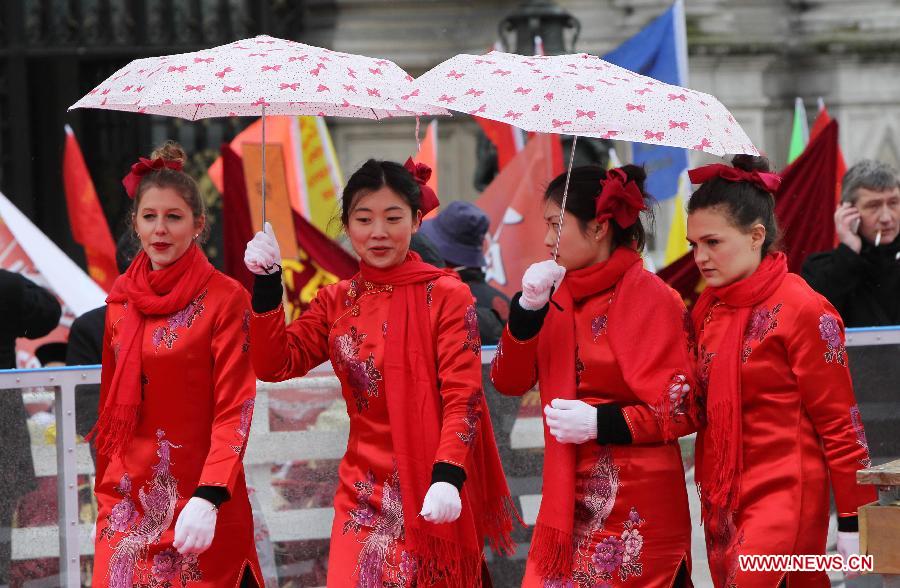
(525, 324)
(447, 472)
(848, 524)
(266, 292)
(215, 494)
(612, 429)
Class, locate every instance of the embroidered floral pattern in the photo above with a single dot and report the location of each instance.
(613, 556)
(123, 514)
(689, 331)
(168, 566)
(599, 492)
(598, 326)
(473, 337)
(245, 327)
(677, 390)
(384, 329)
(243, 428)
(830, 331)
(363, 515)
(409, 566)
(601, 560)
(378, 565)
(429, 287)
(158, 499)
(762, 322)
(856, 420)
(352, 292)
(362, 376)
(703, 369)
(579, 367)
(473, 415)
(183, 319)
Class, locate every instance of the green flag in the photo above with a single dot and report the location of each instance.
(800, 131)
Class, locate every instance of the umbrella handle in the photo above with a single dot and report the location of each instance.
(562, 208)
(418, 142)
(263, 167)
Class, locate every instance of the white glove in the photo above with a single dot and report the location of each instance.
(195, 527)
(537, 281)
(847, 545)
(262, 252)
(571, 421)
(441, 504)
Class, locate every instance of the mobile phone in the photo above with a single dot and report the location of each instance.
(855, 226)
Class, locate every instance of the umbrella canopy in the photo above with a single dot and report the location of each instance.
(257, 76)
(582, 95)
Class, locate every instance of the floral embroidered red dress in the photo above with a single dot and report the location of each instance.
(631, 521)
(198, 392)
(348, 324)
(801, 429)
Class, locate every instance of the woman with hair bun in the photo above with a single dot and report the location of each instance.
(780, 415)
(612, 358)
(176, 397)
(420, 485)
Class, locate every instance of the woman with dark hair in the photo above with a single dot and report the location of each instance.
(176, 399)
(780, 415)
(612, 359)
(421, 484)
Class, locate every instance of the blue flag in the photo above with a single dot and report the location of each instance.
(659, 51)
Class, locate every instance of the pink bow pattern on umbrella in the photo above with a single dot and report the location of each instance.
(239, 78)
(581, 95)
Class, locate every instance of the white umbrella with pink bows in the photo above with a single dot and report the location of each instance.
(260, 76)
(581, 95)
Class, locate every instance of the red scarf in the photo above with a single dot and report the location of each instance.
(147, 293)
(720, 481)
(648, 364)
(452, 551)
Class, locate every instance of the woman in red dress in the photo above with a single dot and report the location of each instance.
(781, 418)
(421, 484)
(615, 375)
(177, 392)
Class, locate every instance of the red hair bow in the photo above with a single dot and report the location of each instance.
(765, 180)
(422, 173)
(143, 167)
(619, 199)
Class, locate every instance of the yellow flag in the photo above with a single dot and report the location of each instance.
(321, 177)
(676, 244)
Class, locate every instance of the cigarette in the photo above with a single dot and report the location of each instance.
(878, 238)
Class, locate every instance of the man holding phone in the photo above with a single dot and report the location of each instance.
(861, 277)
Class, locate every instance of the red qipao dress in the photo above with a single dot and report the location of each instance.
(177, 391)
(404, 343)
(614, 512)
(781, 422)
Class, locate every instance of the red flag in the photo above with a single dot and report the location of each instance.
(325, 252)
(804, 204)
(428, 154)
(514, 203)
(89, 226)
(237, 228)
(506, 138)
(804, 208)
(819, 124)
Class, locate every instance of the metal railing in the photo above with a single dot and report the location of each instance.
(63, 381)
